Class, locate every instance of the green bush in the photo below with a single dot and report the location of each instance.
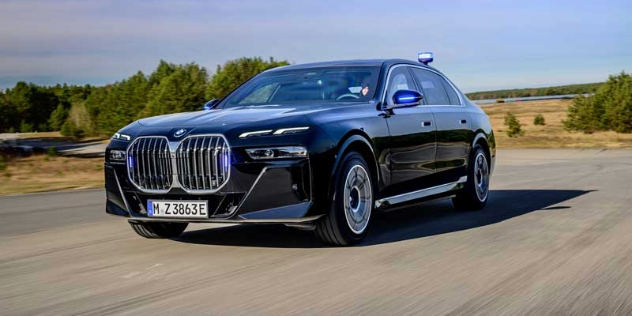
(67, 129)
(3, 163)
(70, 129)
(25, 127)
(514, 126)
(539, 120)
(609, 109)
(51, 151)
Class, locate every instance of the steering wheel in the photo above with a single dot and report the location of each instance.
(347, 95)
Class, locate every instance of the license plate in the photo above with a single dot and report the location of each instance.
(177, 209)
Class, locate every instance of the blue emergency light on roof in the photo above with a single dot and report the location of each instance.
(425, 58)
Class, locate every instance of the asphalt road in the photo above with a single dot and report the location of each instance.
(555, 239)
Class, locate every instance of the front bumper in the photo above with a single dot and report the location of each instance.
(265, 192)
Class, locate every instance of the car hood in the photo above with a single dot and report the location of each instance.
(234, 116)
(212, 116)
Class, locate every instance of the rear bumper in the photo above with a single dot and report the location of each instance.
(272, 192)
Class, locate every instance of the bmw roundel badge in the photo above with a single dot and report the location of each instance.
(180, 132)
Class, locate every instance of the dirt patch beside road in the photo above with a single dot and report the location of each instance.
(40, 173)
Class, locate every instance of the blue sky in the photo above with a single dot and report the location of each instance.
(479, 44)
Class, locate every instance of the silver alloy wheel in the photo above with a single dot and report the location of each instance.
(358, 199)
(481, 176)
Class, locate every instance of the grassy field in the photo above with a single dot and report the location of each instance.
(551, 135)
(43, 173)
(40, 173)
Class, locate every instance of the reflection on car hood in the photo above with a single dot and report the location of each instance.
(232, 116)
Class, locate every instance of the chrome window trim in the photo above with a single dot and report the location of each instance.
(388, 77)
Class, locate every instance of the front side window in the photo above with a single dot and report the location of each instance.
(307, 86)
(399, 79)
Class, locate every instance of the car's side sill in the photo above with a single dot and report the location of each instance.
(405, 197)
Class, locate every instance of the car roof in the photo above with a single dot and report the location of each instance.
(350, 63)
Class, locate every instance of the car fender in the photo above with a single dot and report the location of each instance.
(349, 140)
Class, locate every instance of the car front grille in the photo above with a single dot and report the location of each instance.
(203, 163)
(149, 163)
(200, 164)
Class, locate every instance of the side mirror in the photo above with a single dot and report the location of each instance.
(405, 99)
(210, 104)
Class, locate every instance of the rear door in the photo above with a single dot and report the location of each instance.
(413, 136)
(453, 126)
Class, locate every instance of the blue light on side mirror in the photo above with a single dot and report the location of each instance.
(403, 98)
(425, 58)
(210, 104)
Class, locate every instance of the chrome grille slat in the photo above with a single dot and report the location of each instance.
(208, 163)
(195, 165)
(201, 163)
(152, 163)
(143, 177)
(188, 164)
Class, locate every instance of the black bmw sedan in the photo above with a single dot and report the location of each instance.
(320, 146)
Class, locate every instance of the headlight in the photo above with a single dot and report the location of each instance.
(120, 136)
(117, 155)
(277, 152)
(281, 131)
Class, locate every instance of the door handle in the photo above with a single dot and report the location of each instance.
(463, 121)
(426, 123)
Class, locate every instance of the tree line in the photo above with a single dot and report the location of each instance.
(100, 111)
(585, 88)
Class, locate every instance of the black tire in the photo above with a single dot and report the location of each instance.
(158, 229)
(335, 228)
(470, 197)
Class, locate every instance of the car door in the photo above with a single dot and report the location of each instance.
(412, 136)
(452, 123)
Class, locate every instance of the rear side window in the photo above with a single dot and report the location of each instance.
(433, 87)
(454, 98)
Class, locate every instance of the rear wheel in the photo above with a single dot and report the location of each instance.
(158, 229)
(348, 218)
(476, 191)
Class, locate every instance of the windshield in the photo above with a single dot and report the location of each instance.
(307, 86)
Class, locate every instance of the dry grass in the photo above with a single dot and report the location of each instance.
(551, 135)
(40, 173)
(57, 136)
(41, 135)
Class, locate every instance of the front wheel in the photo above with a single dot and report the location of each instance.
(348, 218)
(158, 229)
(476, 191)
